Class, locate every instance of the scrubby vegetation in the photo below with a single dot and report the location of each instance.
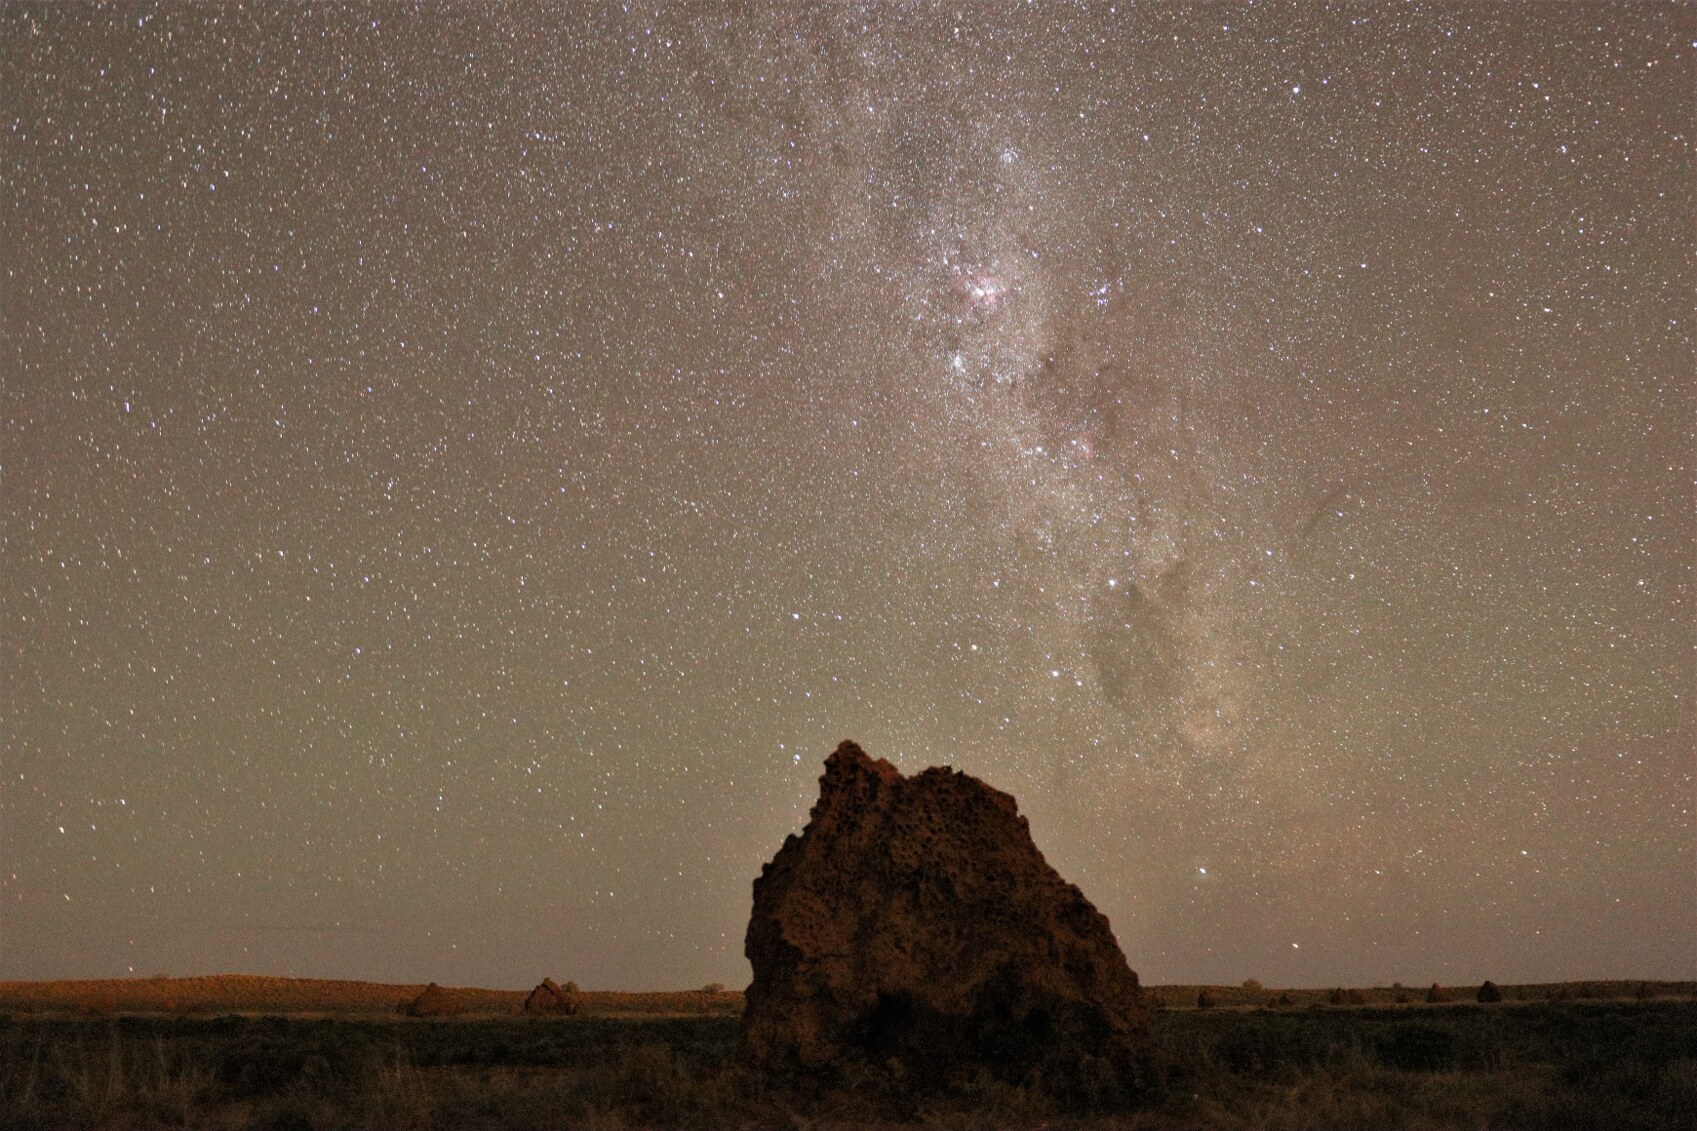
(1575, 1065)
(275, 1072)
(1590, 1064)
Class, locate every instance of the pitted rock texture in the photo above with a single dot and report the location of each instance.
(914, 928)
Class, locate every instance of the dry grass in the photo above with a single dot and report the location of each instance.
(1574, 1065)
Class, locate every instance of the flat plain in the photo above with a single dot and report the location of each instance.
(238, 1052)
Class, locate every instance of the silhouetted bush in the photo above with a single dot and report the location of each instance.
(1418, 1047)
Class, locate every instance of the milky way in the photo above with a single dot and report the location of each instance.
(464, 470)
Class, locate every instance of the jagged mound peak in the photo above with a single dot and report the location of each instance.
(914, 926)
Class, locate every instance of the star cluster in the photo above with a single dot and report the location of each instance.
(464, 469)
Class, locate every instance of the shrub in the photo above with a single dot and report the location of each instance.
(1419, 1048)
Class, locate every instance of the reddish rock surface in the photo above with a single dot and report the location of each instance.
(914, 928)
(434, 1001)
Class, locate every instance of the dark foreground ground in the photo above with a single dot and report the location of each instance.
(1592, 1065)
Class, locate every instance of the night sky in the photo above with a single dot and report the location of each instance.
(465, 468)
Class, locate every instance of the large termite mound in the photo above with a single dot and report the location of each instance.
(913, 929)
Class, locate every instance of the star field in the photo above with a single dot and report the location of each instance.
(464, 469)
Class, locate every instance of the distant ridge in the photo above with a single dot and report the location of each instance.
(262, 993)
(212, 994)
